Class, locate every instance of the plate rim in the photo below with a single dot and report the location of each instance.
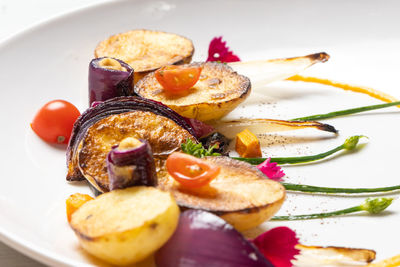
(10, 239)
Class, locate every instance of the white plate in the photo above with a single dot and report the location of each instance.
(50, 62)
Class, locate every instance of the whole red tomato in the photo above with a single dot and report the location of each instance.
(54, 121)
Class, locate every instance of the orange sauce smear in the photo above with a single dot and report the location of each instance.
(391, 262)
(358, 89)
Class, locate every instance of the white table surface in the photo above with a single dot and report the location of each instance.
(15, 16)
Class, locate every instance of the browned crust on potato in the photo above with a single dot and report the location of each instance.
(219, 90)
(146, 50)
(163, 135)
(240, 194)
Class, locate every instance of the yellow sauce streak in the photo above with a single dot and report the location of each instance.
(358, 89)
(391, 262)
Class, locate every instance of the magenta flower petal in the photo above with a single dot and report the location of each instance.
(271, 170)
(219, 51)
(278, 246)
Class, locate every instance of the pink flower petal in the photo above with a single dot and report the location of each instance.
(219, 51)
(278, 246)
(271, 170)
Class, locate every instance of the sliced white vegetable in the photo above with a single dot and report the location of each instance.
(262, 72)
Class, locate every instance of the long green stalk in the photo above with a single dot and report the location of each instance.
(345, 112)
(336, 190)
(372, 206)
(316, 215)
(349, 144)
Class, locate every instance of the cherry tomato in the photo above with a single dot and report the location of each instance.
(190, 171)
(178, 79)
(54, 121)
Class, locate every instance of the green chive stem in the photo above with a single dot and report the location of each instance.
(345, 112)
(371, 205)
(336, 190)
(349, 144)
(317, 215)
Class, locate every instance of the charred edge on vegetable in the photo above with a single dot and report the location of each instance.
(83, 236)
(110, 107)
(371, 254)
(327, 128)
(218, 139)
(322, 57)
(94, 190)
(321, 126)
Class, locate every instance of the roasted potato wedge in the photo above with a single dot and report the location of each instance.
(163, 135)
(126, 226)
(146, 50)
(240, 194)
(218, 91)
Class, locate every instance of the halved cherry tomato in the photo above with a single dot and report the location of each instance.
(178, 79)
(54, 121)
(190, 171)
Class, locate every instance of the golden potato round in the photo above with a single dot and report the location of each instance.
(218, 91)
(146, 50)
(240, 194)
(126, 226)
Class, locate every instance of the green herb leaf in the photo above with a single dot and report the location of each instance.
(197, 150)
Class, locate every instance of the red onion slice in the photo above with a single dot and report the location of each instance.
(204, 239)
(105, 83)
(131, 167)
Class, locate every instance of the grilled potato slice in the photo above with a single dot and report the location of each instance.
(146, 50)
(163, 135)
(125, 226)
(240, 194)
(218, 91)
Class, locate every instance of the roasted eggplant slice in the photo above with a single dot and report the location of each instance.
(146, 50)
(163, 135)
(105, 125)
(218, 91)
(240, 194)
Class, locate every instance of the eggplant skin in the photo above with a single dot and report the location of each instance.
(219, 90)
(163, 135)
(113, 106)
(240, 194)
(146, 50)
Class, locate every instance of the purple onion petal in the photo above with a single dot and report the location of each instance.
(204, 239)
(131, 167)
(105, 83)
